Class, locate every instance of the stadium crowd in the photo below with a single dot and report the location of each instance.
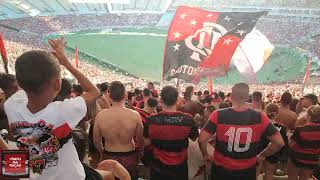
(101, 130)
(106, 131)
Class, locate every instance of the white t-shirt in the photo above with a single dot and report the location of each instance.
(40, 132)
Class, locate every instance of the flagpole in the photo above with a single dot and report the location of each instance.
(306, 77)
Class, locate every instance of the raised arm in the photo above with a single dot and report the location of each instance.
(92, 93)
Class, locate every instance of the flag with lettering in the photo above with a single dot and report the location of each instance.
(201, 43)
(3, 53)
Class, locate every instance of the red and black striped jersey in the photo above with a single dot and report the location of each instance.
(143, 114)
(238, 136)
(169, 133)
(306, 146)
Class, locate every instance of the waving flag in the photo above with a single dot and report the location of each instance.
(3, 54)
(251, 54)
(201, 43)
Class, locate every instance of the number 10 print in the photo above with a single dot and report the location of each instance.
(234, 139)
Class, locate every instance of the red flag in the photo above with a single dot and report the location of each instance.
(201, 43)
(76, 57)
(306, 76)
(3, 54)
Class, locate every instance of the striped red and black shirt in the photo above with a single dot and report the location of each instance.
(238, 135)
(306, 146)
(169, 133)
(143, 114)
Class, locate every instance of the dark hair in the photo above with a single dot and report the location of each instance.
(77, 88)
(221, 95)
(286, 98)
(99, 86)
(130, 95)
(188, 93)
(137, 92)
(223, 105)
(104, 87)
(117, 91)
(215, 95)
(6, 81)
(256, 96)
(34, 69)
(206, 92)
(146, 92)
(80, 141)
(150, 83)
(65, 90)
(169, 95)
(152, 102)
(293, 104)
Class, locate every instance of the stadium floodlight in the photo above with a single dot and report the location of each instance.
(101, 1)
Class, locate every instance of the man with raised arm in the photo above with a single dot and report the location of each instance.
(42, 126)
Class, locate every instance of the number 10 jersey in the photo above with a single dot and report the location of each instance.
(238, 135)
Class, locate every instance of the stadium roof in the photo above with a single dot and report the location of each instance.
(26, 8)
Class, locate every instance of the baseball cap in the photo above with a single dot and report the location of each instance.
(313, 98)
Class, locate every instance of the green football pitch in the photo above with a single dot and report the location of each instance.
(140, 52)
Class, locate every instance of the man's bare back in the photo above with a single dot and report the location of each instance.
(286, 117)
(118, 126)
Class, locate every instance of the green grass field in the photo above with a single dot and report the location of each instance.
(142, 55)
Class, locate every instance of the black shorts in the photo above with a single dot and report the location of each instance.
(220, 173)
(303, 165)
(161, 171)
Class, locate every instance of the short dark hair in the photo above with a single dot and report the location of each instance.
(6, 81)
(199, 93)
(117, 91)
(130, 95)
(206, 92)
(221, 95)
(104, 87)
(286, 98)
(240, 92)
(77, 88)
(188, 93)
(80, 141)
(152, 102)
(169, 95)
(256, 96)
(146, 92)
(137, 92)
(223, 105)
(33, 80)
(65, 90)
(150, 83)
(293, 104)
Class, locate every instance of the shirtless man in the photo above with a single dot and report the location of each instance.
(302, 107)
(118, 126)
(286, 117)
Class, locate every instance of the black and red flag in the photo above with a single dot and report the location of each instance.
(201, 43)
